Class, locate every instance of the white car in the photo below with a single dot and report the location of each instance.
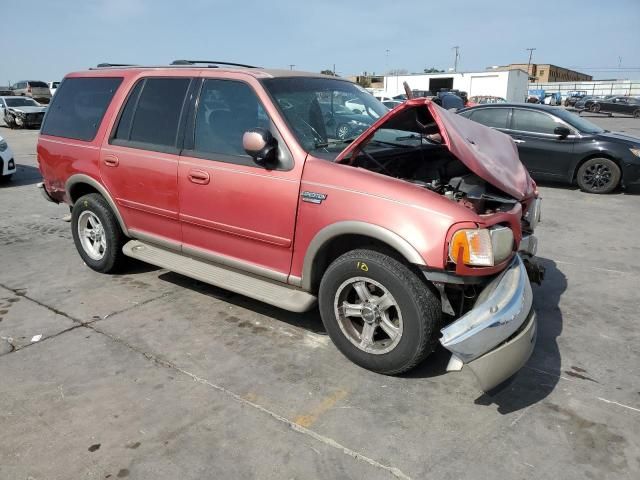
(53, 86)
(21, 112)
(7, 163)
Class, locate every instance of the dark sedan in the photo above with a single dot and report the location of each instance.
(342, 123)
(622, 105)
(558, 145)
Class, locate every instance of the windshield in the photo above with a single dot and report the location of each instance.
(21, 102)
(324, 112)
(584, 126)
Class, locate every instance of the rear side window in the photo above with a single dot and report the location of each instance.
(491, 117)
(152, 113)
(78, 107)
(38, 85)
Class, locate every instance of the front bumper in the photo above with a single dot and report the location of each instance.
(497, 336)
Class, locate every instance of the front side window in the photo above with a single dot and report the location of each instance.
(152, 113)
(532, 121)
(226, 110)
(77, 109)
(491, 117)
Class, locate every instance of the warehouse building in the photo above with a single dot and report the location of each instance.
(546, 72)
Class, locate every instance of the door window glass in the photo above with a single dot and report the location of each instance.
(491, 117)
(532, 121)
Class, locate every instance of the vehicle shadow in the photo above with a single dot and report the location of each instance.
(629, 190)
(24, 175)
(308, 320)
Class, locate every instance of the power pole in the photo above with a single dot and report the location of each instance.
(529, 64)
(455, 60)
(386, 61)
(291, 65)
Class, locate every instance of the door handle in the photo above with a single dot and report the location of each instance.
(199, 176)
(111, 160)
(517, 140)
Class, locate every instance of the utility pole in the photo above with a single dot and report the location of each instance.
(291, 65)
(619, 62)
(334, 70)
(529, 64)
(455, 60)
(386, 61)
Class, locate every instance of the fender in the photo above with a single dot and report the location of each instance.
(329, 232)
(81, 178)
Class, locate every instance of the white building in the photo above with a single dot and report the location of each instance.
(509, 84)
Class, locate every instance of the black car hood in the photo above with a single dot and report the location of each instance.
(619, 137)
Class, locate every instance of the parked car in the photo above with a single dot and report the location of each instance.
(21, 112)
(552, 98)
(581, 102)
(559, 145)
(617, 104)
(35, 89)
(392, 103)
(414, 233)
(5, 91)
(342, 123)
(484, 99)
(7, 162)
(53, 86)
(573, 97)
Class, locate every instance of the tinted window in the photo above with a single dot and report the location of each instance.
(491, 117)
(153, 111)
(78, 107)
(38, 85)
(532, 121)
(226, 110)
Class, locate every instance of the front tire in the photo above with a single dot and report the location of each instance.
(636, 113)
(97, 234)
(598, 175)
(595, 108)
(378, 312)
(343, 131)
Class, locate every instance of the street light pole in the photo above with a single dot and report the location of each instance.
(291, 65)
(386, 61)
(455, 60)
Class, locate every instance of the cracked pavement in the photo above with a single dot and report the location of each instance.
(151, 375)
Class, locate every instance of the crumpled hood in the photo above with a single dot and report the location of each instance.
(27, 109)
(490, 154)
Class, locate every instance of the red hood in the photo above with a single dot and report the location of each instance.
(490, 154)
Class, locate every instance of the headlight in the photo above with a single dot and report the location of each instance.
(481, 247)
(3, 145)
(635, 151)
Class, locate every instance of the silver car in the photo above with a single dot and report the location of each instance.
(35, 89)
(21, 112)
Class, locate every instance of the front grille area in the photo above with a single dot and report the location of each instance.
(35, 117)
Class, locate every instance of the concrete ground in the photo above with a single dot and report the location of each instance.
(150, 375)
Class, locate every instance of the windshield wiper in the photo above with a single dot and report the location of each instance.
(413, 136)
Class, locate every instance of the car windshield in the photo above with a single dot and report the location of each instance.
(21, 102)
(318, 109)
(583, 125)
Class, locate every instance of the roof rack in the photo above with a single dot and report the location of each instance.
(211, 63)
(106, 65)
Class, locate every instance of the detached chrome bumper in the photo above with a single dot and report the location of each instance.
(495, 338)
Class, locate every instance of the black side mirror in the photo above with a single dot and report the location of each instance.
(260, 145)
(562, 132)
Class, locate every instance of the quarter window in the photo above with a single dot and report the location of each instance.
(532, 121)
(491, 117)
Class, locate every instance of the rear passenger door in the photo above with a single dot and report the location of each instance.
(233, 211)
(139, 164)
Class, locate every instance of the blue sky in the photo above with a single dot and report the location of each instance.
(51, 38)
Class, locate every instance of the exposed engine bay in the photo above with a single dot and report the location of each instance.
(432, 166)
(409, 147)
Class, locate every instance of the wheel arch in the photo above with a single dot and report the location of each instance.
(80, 184)
(338, 238)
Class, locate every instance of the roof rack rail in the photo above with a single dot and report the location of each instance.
(211, 63)
(106, 65)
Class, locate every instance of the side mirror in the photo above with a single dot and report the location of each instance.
(562, 132)
(260, 145)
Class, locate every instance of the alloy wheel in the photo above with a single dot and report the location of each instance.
(597, 176)
(92, 235)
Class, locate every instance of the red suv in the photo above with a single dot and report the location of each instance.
(414, 229)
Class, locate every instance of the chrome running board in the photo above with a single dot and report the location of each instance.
(267, 291)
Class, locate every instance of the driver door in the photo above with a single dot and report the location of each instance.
(233, 211)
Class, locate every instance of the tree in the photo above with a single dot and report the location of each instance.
(433, 70)
(398, 71)
(328, 72)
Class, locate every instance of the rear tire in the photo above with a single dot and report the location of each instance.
(97, 234)
(636, 113)
(595, 108)
(598, 175)
(394, 327)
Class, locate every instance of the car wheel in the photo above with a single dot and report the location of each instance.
(97, 234)
(378, 312)
(595, 108)
(636, 113)
(598, 175)
(343, 131)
